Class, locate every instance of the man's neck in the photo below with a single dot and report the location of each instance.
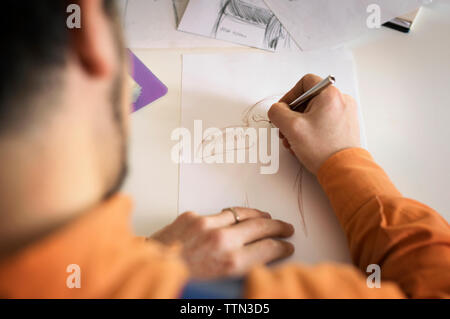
(46, 182)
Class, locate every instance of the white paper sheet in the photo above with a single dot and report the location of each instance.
(246, 22)
(216, 89)
(326, 23)
(153, 24)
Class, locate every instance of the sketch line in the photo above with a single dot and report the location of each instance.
(246, 120)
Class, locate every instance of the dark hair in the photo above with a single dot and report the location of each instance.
(35, 41)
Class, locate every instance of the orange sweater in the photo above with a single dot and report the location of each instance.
(408, 240)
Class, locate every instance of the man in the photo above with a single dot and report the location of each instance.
(63, 114)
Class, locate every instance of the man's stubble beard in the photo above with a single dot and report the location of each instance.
(116, 99)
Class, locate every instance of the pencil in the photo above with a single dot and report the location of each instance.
(311, 93)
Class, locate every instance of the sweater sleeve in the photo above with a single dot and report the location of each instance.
(408, 240)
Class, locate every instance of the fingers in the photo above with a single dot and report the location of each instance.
(306, 83)
(226, 217)
(282, 116)
(262, 252)
(213, 251)
(269, 250)
(259, 228)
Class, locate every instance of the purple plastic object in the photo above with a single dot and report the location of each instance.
(152, 87)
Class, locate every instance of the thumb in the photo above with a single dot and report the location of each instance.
(282, 116)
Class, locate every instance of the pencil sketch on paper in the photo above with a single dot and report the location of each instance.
(254, 116)
(252, 13)
(244, 22)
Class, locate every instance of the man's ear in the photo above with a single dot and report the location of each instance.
(93, 42)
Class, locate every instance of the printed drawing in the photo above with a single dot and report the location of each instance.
(253, 13)
(179, 6)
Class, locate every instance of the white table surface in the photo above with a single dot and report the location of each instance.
(404, 85)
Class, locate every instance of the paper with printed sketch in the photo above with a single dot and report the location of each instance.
(326, 23)
(245, 22)
(153, 24)
(217, 88)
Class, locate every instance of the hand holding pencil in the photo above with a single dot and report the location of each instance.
(328, 124)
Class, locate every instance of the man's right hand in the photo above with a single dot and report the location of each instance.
(328, 125)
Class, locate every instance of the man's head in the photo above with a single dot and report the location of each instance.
(63, 109)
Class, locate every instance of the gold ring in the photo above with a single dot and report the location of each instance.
(237, 218)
